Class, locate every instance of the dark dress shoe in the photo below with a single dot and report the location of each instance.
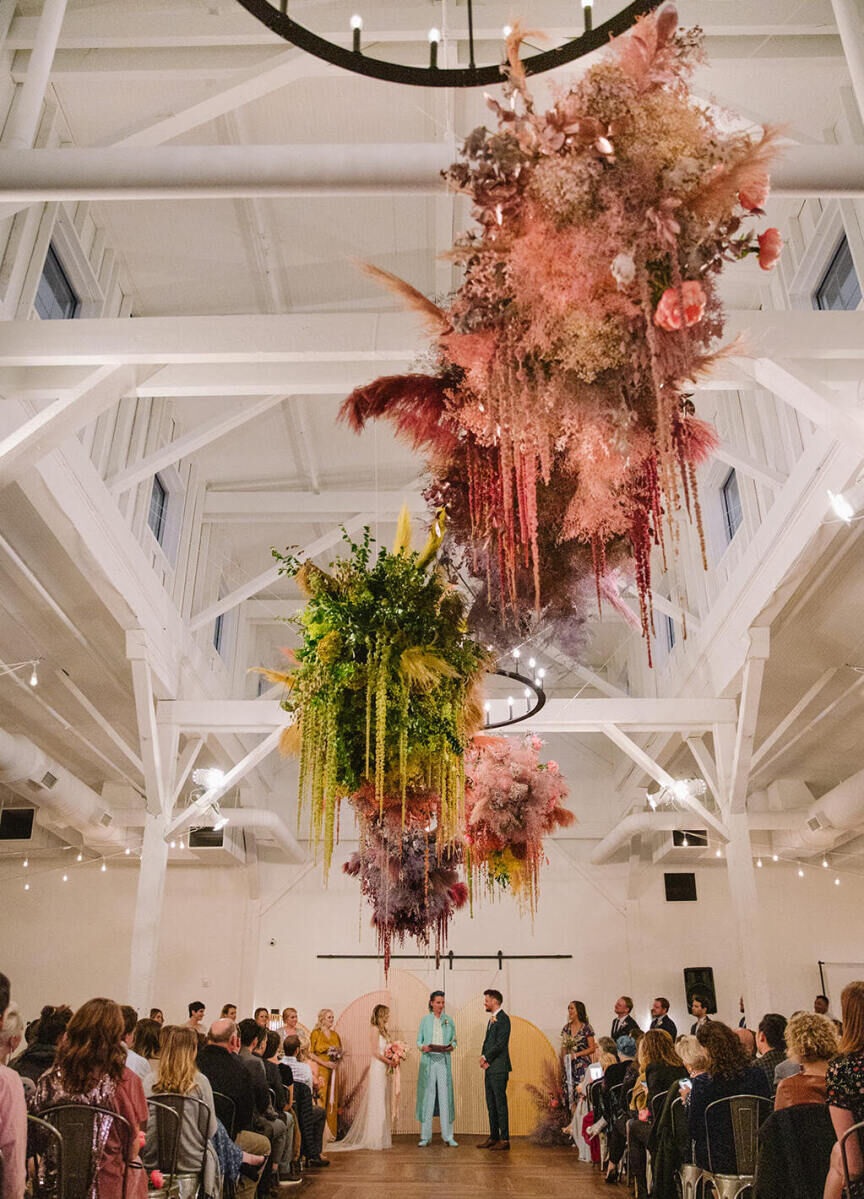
(318, 1163)
(505, 1145)
(487, 1144)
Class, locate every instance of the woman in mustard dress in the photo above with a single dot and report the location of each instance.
(326, 1050)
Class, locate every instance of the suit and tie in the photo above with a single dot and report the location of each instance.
(624, 1026)
(496, 1051)
(665, 1024)
(694, 1028)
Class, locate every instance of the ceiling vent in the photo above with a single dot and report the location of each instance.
(16, 824)
(817, 822)
(48, 780)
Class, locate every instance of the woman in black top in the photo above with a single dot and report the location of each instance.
(660, 1068)
(844, 1086)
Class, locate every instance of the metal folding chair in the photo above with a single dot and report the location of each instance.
(195, 1113)
(85, 1131)
(689, 1173)
(226, 1111)
(163, 1142)
(44, 1158)
(745, 1113)
(852, 1146)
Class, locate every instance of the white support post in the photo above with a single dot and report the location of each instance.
(706, 765)
(184, 767)
(25, 116)
(148, 732)
(745, 905)
(848, 17)
(144, 949)
(751, 691)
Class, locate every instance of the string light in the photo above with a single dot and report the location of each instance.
(684, 840)
(718, 853)
(34, 677)
(825, 863)
(173, 845)
(506, 31)
(836, 882)
(26, 863)
(26, 886)
(800, 873)
(103, 867)
(759, 863)
(517, 654)
(774, 857)
(80, 857)
(65, 878)
(127, 851)
(532, 662)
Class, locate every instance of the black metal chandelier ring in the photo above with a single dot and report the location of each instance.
(530, 685)
(275, 17)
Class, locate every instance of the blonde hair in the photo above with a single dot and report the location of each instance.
(811, 1037)
(380, 1012)
(322, 1014)
(606, 1060)
(692, 1053)
(177, 1061)
(286, 1010)
(852, 1011)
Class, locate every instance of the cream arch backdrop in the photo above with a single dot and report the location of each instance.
(407, 998)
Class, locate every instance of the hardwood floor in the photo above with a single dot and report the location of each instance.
(408, 1172)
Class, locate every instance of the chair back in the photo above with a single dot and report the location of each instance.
(745, 1114)
(44, 1158)
(163, 1140)
(681, 1129)
(593, 1094)
(852, 1157)
(85, 1131)
(616, 1098)
(657, 1104)
(196, 1115)
(226, 1111)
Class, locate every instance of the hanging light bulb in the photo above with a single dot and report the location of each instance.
(34, 677)
(800, 873)
(532, 662)
(836, 882)
(718, 853)
(434, 39)
(103, 867)
(517, 654)
(80, 857)
(506, 31)
(26, 886)
(26, 863)
(356, 30)
(841, 506)
(182, 846)
(774, 857)
(825, 863)
(541, 673)
(127, 851)
(684, 840)
(65, 878)
(759, 863)
(173, 845)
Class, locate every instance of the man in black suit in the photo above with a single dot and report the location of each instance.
(496, 1066)
(624, 1025)
(699, 1008)
(660, 1017)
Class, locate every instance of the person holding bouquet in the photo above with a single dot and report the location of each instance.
(371, 1126)
(436, 1041)
(326, 1050)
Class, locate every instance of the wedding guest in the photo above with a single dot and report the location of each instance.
(436, 1040)
(13, 1110)
(229, 1011)
(145, 1041)
(11, 1032)
(196, 1016)
(41, 1051)
(310, 1118)
(134, 1060)
(496, 1066)
(156, 1014)
(624, 1024)
(822, 1006)
(699, 1009)
(577, 1047)
(660, 1017)
(326, 1049)
(771, 1043)
(748, 1041)
(844, 1083)
(277, 1126)
(692, 1054)
(728, 1073)
(90, 1068)
(291, 1026)
(608, 1045)
(660, 1068)
(811, 1042)
(261, 1017)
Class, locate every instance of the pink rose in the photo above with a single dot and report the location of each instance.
(156, 1180)
(668, 313)
(754, 195)
(770, 248)
(552, 767)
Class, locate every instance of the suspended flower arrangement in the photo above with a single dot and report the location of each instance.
(513, 800)
(385, 695)
(557, 428)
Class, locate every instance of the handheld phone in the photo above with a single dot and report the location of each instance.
(687, 1084)
(595, 1071)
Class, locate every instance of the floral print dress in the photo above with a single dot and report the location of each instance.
(574, 1068)
(844, 1088)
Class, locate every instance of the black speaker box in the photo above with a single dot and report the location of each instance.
(699, 980)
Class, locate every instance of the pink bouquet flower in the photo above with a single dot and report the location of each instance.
(335, 1054)
(754, 195)
(770, 248)
(668, 314)
(157, 1180)
(396, 1053)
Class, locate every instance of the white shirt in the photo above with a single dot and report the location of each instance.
(301, 1071)
(437, 1032)
(138, 1064)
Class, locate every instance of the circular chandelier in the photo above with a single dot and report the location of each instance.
(274, 14)
(533, 697)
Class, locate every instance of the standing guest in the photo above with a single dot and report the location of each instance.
(577, 1047)
(822, 1005)
(41, 1051)
(323, 1043)
(261, 1016)
(436, 1040)
(699, 1009)
(771, 1043)
(291, 1026)
(156, 1014)
(90, 1068)
(138, 1064)
(196, 1016)
(13, 1111)
(145, 1041)
(811, 1041)
(624, 1024)
(496, 1065)
(728, 1073)
(660, 1017)
(229, 1011)
(748, 1041)
(844, 1083)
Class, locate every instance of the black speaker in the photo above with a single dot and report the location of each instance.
(680, 887)
(699, 980)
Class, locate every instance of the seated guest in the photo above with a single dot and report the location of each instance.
(261, 1017)
(692, 1054)
(625, 1071)
(771, 1043)
(219, 1063)
(90, 1068)
(844, 1083)
(273, 1124)
(196, 1016)
(660, 1017)
(156, 1014)
(748, 1041)
(277, 1079)
(607, 1045)
(811, 1041)
(728, 1073)
(11, 1033)
(699, 1008)
(660, 1068)
(13, 1110)
(624, 1024)
(40, 1052)
(310, 1118)
(145, 1041)
(134, 1060)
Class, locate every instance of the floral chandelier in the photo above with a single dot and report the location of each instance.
(275, 15)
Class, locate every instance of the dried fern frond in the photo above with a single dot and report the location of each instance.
(273, 676)
(423, 670)
(434, 318)
(402, 543)
(291, 741)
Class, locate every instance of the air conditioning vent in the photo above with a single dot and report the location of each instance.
(16, 824)
(48, 779)
(817, 823)
(206, 838)
(106, 819)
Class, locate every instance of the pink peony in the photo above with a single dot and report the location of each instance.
(770, 248)
(754, 195)
(668, 314)
(552, 767)
(157, 1181)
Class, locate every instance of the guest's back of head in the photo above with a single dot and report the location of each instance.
(726, 1055)
(250, 1032)
(748, 1041)
(91, 1048)
(772, 1026)
(692, 1053)
(852, 1011)
(657, 1047)
(146, 1038)
(177, 1061)
(811, 1038)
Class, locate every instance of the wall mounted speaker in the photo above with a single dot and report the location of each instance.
(699, 980)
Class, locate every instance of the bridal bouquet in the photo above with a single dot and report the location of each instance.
(396, 1053)
(335, 1054)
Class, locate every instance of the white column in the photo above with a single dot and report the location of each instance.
(28, 108)
(148, 914)
(748, 922)
(7, 12)
(848, 18)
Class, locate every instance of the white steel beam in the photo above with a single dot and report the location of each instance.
(280, 506)
(746, 465)
(190, 443)
(268, 577)
(148, 733)
(706, 764)
(104, 724)
(27, 108)
(748, 713)
(824, 408)
(791, 716)
(184, 766)
(230, 780)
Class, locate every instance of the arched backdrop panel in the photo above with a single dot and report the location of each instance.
(407, 999)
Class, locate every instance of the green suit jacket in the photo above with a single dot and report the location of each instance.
(496, 1044)
(424, 1037)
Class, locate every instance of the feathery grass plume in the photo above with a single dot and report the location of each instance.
(402, 541)
(436, 537)
(273, 676)
(291, 740)
(434, 318)
(423, 669)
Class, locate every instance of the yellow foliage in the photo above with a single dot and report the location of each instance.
(402, 544)
(424, 670)
(291, 741)
(273, 676)
(436, 536)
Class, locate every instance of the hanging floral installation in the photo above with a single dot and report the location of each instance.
(556, 424)
(512, 801)
(385, 694)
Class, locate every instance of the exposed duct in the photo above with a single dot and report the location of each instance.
(265, 821)
(62, 800)
(836, 817)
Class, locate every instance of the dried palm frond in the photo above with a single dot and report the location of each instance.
(720, 188)
(434, 318)
(273, 676)
(414, 403)
(402, 543)
(423, 669)
(436, 536)
(291, 741)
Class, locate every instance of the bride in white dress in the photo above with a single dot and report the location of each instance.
(371, 1126)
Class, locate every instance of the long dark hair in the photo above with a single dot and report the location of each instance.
(92, 1048)
(145, 1040)
(581, 1010)
(726, 1054)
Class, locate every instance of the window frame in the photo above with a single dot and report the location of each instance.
(53, 258)
(159, 533)
(731, 476)
(841, 247)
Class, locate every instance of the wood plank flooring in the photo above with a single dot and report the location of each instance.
(408, 1172)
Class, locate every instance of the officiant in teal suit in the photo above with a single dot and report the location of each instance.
(436, 1041)
(496, 1065)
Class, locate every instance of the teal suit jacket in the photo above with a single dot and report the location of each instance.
(496, 1044)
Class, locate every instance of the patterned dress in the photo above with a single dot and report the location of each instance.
(574, 1068)
(844, 1088)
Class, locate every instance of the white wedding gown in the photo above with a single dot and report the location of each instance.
(371, 1126)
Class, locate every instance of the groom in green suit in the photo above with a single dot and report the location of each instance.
(495, 1063)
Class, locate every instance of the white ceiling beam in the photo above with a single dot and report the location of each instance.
(233, 379)
(792, 715)
(137, 651)
(279, 506)
(163, 172)
(822, 714)
(189, 443)
(235, 775)
(706, 764)
(271, 611)
(355, 337)
(744, 464)
(748, 714)
(836, 413)
(185, 762)
(106, 726)
(268, 577)
(674, 611)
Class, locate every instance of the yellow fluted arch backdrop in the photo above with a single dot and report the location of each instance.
(407, 999)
